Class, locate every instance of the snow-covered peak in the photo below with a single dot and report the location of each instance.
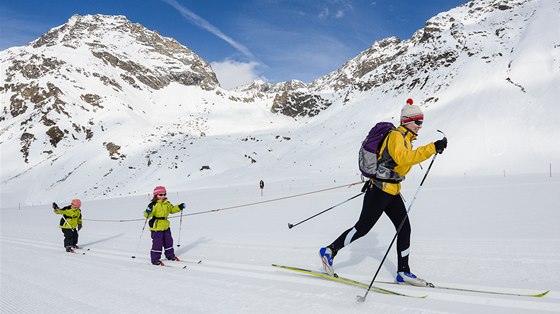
(129, 46)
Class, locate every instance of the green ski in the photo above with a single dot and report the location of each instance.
(346, 281)
(535, 295)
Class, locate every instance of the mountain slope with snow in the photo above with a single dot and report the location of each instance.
(106, 119)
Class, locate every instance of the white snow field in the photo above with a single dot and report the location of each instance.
(494, 233)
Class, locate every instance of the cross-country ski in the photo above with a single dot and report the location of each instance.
(345, 281)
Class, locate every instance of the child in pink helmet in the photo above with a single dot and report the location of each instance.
(70, 223)
(158, 210)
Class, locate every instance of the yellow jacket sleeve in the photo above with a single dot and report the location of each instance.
(407, 157)
(400, 149)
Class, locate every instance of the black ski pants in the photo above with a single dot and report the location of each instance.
(70, 237)
(377, 202)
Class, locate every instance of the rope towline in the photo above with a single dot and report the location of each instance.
(237, 206)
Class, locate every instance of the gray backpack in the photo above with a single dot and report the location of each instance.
(368, 156)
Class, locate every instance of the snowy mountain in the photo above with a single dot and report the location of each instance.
(108, 100)
(89, 66)
(100, 96)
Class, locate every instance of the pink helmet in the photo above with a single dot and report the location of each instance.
(76, 203)
(160, 190)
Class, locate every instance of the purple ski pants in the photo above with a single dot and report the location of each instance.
(162, 239)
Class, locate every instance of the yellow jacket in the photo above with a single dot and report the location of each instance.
(72, 215)
(159, 213)
(399, 147)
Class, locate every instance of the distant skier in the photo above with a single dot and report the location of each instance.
(70, 223)
(383, 196)
(158, 210)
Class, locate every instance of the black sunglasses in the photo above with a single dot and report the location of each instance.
(418, 122)
(162, 195)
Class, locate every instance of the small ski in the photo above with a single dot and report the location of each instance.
(171, 266)
(346, 281)
(184, 262)
(78, 250)
(188, 261)
(74, 252)
(433, 286)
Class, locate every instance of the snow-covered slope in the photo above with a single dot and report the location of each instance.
(496, 234)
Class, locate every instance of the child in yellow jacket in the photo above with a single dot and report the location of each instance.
(70, 223)
(158, 210)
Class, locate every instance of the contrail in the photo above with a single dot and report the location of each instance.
(197, 20)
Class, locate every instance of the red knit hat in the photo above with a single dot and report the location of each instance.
(160, 190)
(410, 112)
(76, 203)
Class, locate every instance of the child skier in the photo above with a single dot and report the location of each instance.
(70, 223)
(158, 210)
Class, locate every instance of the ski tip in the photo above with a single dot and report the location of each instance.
(540, 295)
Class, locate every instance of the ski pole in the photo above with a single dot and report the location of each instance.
(66, 221)
(64, 218)
(290, 226)
(363, 298)
(138, 245)
(180, 225)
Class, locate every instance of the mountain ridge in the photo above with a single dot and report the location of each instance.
(123, 123)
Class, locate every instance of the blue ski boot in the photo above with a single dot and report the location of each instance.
(407, 278)
(327, 259)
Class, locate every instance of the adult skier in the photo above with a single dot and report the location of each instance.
(383, 196)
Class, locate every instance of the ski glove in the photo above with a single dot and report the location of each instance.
(79, 227)
(54, 205)
(149, 208)
(441, 145)
(182, 206)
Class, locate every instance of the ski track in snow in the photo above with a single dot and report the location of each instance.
(500, 236)
(235, 273)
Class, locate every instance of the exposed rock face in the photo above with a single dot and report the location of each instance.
(113, 150)
(298, 104)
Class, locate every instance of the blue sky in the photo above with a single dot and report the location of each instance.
(275, 40)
